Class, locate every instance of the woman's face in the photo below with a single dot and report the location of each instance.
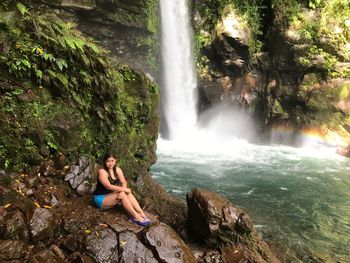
(110, 162)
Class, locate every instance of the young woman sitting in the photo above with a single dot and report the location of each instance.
(112, 189)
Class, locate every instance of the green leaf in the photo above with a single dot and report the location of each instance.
(61, 63)
(22, 8)
(26, 63)
(39, 73)
(94, 48)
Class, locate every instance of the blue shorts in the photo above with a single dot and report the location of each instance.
(98, 200)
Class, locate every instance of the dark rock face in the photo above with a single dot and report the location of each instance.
(219, 223)
(104, 247)
(83, 176)
(14, 226)
(272, 84)
(169, 246)
(128, 30)
(42, 224)
(211, 216)
(11, 249)
(133, 250)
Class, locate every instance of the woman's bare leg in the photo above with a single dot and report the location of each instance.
(129, 207)
(135, 204)
(110, 200)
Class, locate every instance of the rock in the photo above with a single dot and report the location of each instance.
(73, 242)
(171, 210)
(81, 4)
(168, 245)
(83, 177)
(2, 172)
(103, 247)
(219, 223)
(29, 192)
(133, 250)
(13, 226)
(21, 186)
(45, 256)
(42, 224)
(11, 249)
(79, 258)
(211, 216)
(119, 225)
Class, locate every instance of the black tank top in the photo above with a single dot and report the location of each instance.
(101, 189)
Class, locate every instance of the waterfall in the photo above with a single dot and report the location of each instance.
(179, 98)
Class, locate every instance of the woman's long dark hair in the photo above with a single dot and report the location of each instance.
(105, 157)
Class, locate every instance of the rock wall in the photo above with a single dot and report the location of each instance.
(283, 62)
(128, 29)
(65, 96)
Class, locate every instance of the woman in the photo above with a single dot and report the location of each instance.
(112, 189)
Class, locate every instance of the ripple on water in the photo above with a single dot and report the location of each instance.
(302, 202)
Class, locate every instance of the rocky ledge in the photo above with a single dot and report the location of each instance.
(44, 219)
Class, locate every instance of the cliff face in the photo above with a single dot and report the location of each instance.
(288, 63)
(62, 95)
(128, 29)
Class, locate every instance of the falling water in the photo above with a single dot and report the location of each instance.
(179, 78)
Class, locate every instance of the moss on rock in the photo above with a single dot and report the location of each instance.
(61, 94)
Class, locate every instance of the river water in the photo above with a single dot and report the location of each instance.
(298, 198)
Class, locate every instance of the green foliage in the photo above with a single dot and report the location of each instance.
(212, 12)
(59, 90)
(324, 32)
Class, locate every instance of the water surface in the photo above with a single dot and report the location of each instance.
(299, 199)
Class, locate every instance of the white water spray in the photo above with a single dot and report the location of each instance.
(179, 76)
(222, 128)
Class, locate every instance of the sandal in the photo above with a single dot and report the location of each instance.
(141, 223)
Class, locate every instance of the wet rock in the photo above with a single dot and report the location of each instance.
(220, 224)
(59, 194)
(46, 169)
(121, 224)
(11, 249)
(21, 186)
(13, 226)
(211, 216)
(45, 256)
(133, 250)
(76, 257)
(58, 252)
(83, 177)
(29, 192)
(72, 242)
(17, 201)
(103, 246)
(42, 197)
(42, 224)
(211, 256)
(168, 245)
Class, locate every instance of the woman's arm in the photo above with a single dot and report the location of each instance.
(103, 177)
(121, 177)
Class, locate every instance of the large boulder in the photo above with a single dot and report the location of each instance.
(12, 249)
(83, 176)
(103, 247)
(132, 250)
(220, 224)
(169, 246)
(42, 224)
